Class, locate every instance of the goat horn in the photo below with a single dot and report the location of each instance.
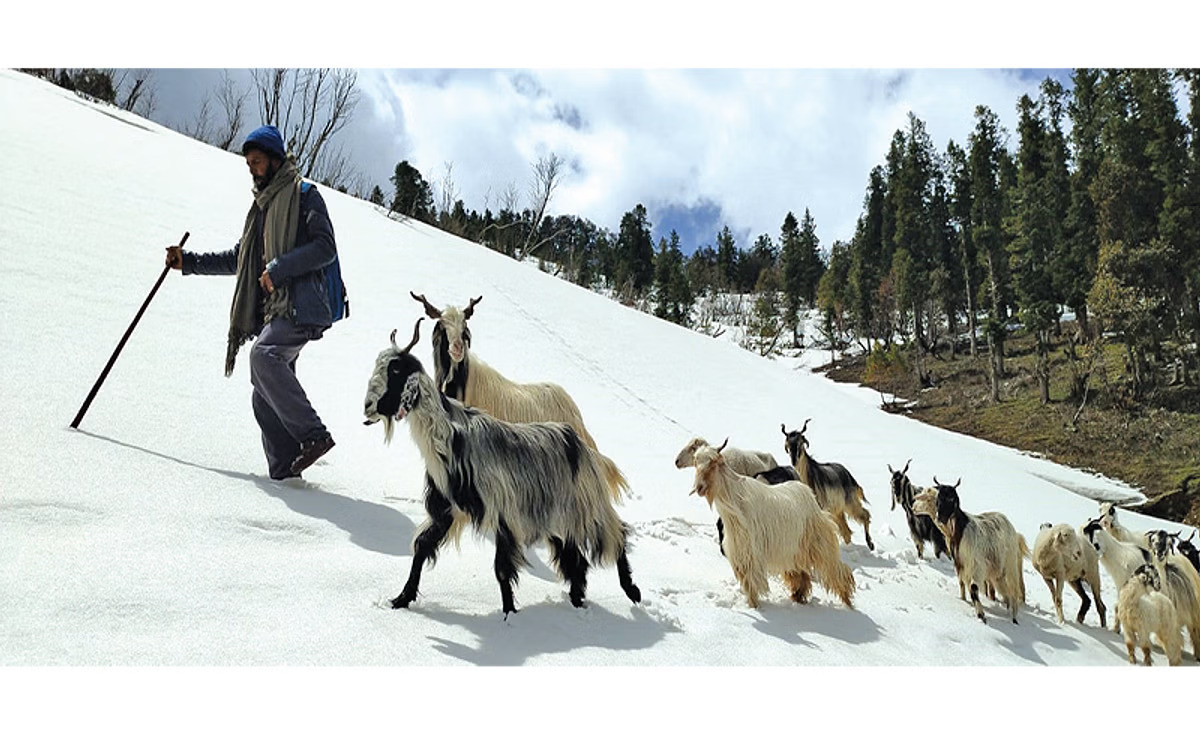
(471, 307)
(905, 469)
(1190, 536)
(958, 482)
(407, 349)
(936, 483)
(805, 426)
(723, 445)
(890, 469)
(430, 310)
(782, 428)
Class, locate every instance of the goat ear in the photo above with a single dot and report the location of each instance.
(430, 310)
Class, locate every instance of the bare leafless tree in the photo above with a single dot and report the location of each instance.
(547, 171)
(136, 91)
(309, 106)
(232, 99)
(200, 127)
(448, 196)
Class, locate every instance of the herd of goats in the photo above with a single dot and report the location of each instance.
(514, 461)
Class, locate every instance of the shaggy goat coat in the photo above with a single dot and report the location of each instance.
(986, 548)
(522, 483)
(837, 491)
(744, 462)
(1062, 556)
(1143, 611)
(921, 526)
(462, 375)
(773, 530)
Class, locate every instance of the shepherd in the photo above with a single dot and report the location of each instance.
(279, 297)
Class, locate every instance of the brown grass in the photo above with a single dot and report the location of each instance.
(1152, 443)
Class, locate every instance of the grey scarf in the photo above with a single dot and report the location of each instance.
(279, 203)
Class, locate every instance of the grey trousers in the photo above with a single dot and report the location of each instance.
(280, 405)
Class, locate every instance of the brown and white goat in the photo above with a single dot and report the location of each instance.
(836, 490)
(461, 374)
(985, 548)
(1060, 555)
(744, 462)
(773, 530)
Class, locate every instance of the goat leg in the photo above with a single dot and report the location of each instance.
(1077, 584)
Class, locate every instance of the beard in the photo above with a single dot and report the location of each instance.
(262, 182)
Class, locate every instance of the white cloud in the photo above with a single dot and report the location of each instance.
(759, 143)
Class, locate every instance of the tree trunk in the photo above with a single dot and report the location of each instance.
(1044, 365)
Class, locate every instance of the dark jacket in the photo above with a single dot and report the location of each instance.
(302, 268)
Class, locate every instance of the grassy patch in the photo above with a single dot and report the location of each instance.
(1152, 443)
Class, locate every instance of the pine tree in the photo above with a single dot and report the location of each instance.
(791, 271)
(413, 196)
(811, 265)
(1075, 273)
(970, 274)
(986, 164)
(635, 252)
(867, 259)
(727, 260)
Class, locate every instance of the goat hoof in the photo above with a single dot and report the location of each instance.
(401, 602)
(634, 594)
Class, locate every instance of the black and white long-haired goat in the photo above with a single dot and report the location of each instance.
(461, 374)
(921, 527)
(836, 490)
(985, 548)
(522, 483)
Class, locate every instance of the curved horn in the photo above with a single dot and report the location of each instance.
(890, 469)
(805, 425)
(430, 310)
(1190, 536)
(958, 482)
(905, 469)
(723, 445)
(416, 335)
(471, 307)
(782, 428)
(936, 483)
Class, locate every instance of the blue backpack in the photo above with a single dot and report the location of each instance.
(335, 289)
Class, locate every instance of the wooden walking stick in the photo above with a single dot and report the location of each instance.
(104, 374)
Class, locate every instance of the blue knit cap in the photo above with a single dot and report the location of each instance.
(267, 140)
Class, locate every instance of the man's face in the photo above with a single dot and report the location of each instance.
(262, 167)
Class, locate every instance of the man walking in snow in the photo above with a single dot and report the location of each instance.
(279, 296)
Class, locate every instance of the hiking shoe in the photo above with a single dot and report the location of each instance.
(310, 451)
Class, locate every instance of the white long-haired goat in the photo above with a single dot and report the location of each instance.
(461, 374)
(1142, 611)
(773, 530)
(1120, 559)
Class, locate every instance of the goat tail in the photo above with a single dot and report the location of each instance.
(618, 485)
(1025, 554)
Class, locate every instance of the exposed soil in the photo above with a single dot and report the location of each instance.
(1152, 444)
